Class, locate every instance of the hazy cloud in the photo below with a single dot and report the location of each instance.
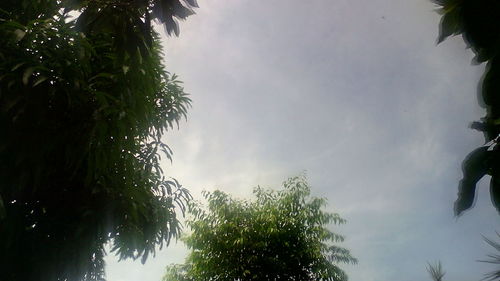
(359, 96)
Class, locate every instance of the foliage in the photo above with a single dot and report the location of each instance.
(281, 235)
(178, 272)
(493, 259)
(436, 271)
(478, 21)
(83, 105)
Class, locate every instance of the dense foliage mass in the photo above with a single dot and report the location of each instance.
(478, 21)
(281, 235)
(84, 101)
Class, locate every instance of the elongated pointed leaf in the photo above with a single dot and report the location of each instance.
(39, 80)
(27, 74)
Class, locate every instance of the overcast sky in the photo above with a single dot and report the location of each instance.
(355, 93)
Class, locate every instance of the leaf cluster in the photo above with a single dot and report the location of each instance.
(478, 21)
(493, 259)
(281, 235)
(436, 271)
(82, 114)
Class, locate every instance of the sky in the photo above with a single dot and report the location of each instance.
(356, 94)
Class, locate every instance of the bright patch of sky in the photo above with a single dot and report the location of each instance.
(357, 94)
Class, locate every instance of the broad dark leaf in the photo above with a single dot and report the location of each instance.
(167, 11)
(474, 167)
(193, 3)
(450, 24)
(495, 192)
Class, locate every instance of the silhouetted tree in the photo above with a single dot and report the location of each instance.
(436, 271)
(493, 259)
(478, 21)
(281, 235)
(84, 101)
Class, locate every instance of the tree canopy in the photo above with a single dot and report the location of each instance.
(478, 21)
(84, 102)
(281, 235)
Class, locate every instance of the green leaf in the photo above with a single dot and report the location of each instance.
(39, 80)
(17, 66)
(27, 74)
(102, 75)
(193, 3)
(19, 34)
(450, 25)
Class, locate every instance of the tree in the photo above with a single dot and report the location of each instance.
(84, 103)
(281, 235)
(478, 21)
(493, 259)
(436, 271)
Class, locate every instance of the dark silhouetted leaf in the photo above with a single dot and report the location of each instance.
(2, 208)
(193, 3)
(474, 167)
(450, 24)
(495, 192)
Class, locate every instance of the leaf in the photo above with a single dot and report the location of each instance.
(495, 192)
(39, 80)
(102, 75)
(449, 25)
(19, 34)
(144, 257)
(193, 3)
(2, 208)
(17, 66)
(474, 167)
(27, 74)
